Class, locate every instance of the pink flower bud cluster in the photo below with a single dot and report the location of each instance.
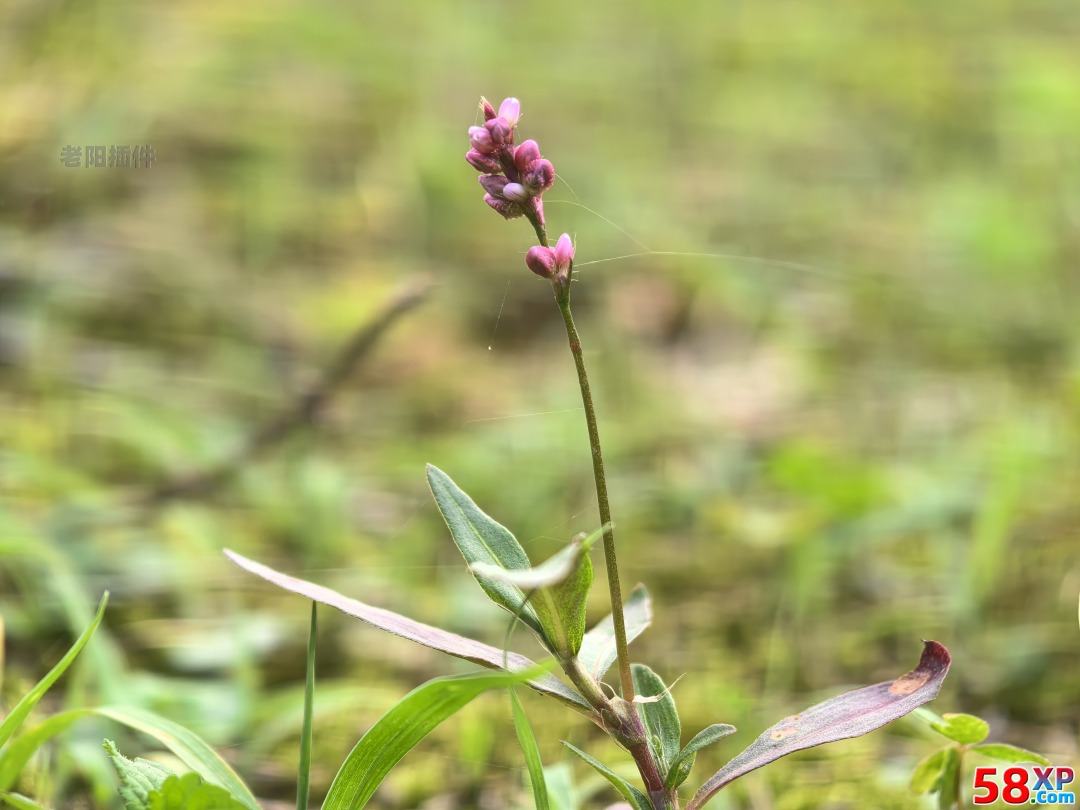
(513, 177)
(552, 264)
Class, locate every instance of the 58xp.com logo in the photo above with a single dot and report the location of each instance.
(1024, 786)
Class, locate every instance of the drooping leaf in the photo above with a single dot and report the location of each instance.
(1009, 753)
(637, 799)
(529, 747)
(442, 640)
(399, 730)
(851, 714)
(482, 539)
(962, 728)
(660, 717)
(138, 778)
(29, 700)
(598, 652)
(948, 784)
(192, 750)
(191, 792)
(927, 773)
(680, 768)
(557, 590)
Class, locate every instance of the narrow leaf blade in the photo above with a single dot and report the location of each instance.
(848, 715)
(529, 747)
(481, 539)
(597, 652)
(399, 730)
(20, 802)
(927, 773)
(441, 640)
(637, 799)
(1009, 753)
(707, 736)
(660, 716)
(192, 750)
(26, 705)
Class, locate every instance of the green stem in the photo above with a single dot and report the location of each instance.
(562, 296)
(304, 780)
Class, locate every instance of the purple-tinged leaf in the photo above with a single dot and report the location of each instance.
(433, 637)
(851, 714)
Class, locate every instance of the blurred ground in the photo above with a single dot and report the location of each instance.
(827, 286)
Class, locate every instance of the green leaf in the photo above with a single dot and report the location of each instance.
(192, 750)
(680, 768)
(927, 773)
(1009, 753)
(25, 706)
(557, 590)
(851, 714)
(20, 802)
(637, 799)
(191, 792)
(399, 730)
(15, 755)
(948, 785)
(303, 781)
(527, 741)
(138, 778)
(660, 717)
(482, 540)
(598, 652)
(450, 643)
(962, 728)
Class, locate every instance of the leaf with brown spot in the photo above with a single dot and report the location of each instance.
(851, 714)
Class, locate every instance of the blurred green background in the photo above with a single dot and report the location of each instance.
(839, 392)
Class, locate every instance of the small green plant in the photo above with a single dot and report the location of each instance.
(637, 709)
(941, 773)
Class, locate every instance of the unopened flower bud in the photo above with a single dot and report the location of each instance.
(510, 111)
(515, 192)
(506, 208)
(564, 252)
(480, 140)
(489, 111)
(494, 184)
(541, 260)
(501, 132)
(483, 163)
(525, 154)
(540, 177)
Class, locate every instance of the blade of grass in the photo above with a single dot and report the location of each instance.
(304, 781)
(527, 741)
(26, 705)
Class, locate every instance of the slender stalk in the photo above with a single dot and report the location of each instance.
(562, 296)
(303, 782)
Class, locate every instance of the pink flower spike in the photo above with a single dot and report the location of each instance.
(480, 139)
(485, 164)
(541, 260)
(515, 192)
(510, 110)
(525, 154)
(564, 252)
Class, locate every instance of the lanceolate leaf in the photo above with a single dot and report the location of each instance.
(1009, 753)
(399, 730)
(529, 747)
(483, 540)
(660, 717)
(927, 773)
(597, 652)
(680, 768)
(849, 715)
(637, 799)
(962, 728)
(26, 705)
(442, 640)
